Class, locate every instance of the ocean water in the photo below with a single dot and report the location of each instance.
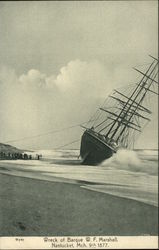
(127, 174)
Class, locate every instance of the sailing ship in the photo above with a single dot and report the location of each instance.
(117, 123)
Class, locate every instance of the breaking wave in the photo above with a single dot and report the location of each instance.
(124, 157)
(135, 161)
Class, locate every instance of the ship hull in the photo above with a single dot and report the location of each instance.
(93, 150)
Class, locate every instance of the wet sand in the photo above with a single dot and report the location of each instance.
(30, 207)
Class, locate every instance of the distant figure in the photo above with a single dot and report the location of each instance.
(25, 157)
(30, 157)
(38, 157)
(1, 154)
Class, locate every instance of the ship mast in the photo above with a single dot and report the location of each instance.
(142, 98)
(132, 105)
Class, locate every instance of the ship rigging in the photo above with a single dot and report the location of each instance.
(119, 119)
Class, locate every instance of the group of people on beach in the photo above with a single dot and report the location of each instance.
(23, 156)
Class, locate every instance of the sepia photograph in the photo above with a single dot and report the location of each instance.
(79, 124)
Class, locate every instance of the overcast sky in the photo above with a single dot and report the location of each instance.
(59, 60)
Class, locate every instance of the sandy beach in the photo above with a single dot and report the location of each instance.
(30, 207)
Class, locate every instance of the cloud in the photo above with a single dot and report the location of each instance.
(83, 77)
(76, 77)
(34, 78)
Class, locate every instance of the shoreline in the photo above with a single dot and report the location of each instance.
(80, 183)
(32, 207)
(44, 173)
